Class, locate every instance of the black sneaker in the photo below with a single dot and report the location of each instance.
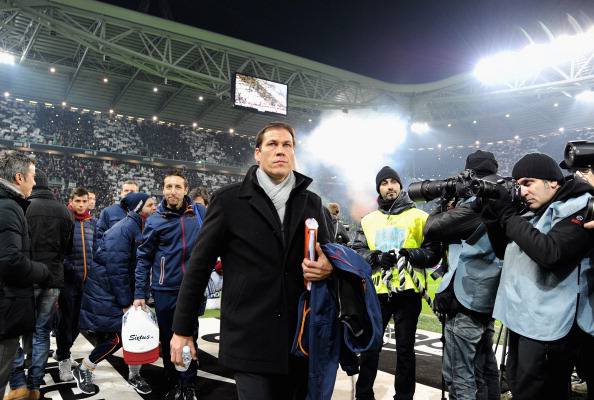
(84, 380)
(175, 393)
(139, 384)
(189, 393)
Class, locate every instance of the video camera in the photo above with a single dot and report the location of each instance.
(579, 154)
(465, 185)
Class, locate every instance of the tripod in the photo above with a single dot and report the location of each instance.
(502, 373)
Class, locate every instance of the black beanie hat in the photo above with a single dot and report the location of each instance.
(385, 173)
(41, 180)
(538, 166)
(483, 163)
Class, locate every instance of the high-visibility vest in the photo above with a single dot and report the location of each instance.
(387, 232)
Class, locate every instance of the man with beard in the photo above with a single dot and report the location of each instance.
(167, 241)
(395, 228)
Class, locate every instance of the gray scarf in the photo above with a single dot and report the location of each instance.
(278, 193)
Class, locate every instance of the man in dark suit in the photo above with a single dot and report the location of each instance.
(257, 228)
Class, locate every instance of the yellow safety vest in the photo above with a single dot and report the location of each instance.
(392, 232)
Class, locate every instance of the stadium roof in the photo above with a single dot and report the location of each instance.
(86, 41)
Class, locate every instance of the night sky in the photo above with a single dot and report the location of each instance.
(408, 41)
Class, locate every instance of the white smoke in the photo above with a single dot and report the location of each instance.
(352, 148)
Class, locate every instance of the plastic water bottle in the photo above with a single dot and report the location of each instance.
(186, 358)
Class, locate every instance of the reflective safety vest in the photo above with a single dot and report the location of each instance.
(387, 232)
(532, 301)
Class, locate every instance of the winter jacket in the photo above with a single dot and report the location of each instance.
(397, 226)
(108, 217)
(110, 284)
(78, 263)
(338, 318)
(537, 295)
(18, 272)
(263, 275)
(167, 242)
(470, 284)
(51, 227)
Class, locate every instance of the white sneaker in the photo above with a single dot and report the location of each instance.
(65, 369)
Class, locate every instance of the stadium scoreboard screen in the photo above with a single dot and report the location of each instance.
(259, 95)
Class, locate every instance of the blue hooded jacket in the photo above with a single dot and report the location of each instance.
(338, 318)
(110, 284)
(109, 217)
(167, 241)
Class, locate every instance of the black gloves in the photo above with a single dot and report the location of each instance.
(501, 208)
(388, 259)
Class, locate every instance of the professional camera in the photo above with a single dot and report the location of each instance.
(579, 154)
(488, 190)
(447, 189)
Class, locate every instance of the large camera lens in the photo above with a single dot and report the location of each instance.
(579, 154)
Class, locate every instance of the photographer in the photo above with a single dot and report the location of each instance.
(537, 298)
(467, 291)
(585, 315)
(395, 228)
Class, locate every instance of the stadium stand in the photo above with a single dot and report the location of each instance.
(38, 123)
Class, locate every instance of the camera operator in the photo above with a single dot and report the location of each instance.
(395, 228)
(466, 294)
(537, 298)
(585, 315)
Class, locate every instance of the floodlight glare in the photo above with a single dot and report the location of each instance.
(6, 94)
(6, 58)
(586, 96)
(419, 127)
(526, 63)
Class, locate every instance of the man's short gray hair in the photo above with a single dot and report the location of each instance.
(14, 162)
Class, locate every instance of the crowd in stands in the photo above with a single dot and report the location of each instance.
(104, 177)
(445, 162)
(56, 125)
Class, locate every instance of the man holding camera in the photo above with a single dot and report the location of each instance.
(585, 315)
(467, 292)
(396, 228)
(537, 298)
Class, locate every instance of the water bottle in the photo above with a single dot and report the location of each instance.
(186, 358)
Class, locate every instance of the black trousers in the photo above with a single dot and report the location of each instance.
(405, 307)
(540, 370)
(69, 302)
(291, 386)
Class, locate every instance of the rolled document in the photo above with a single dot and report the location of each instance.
(311, 238)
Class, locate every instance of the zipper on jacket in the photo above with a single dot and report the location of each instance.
(162, 274)
(84, 249)
(183, 263)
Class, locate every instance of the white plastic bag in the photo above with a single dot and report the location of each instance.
(140, 336)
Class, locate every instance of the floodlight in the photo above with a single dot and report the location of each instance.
(200, 98)
(231, 130)
(194, 124)
(6, 58)
(155, 89)
(155, 118)
(527, 63)
(586, 96)
(6, 94)
(419, 127)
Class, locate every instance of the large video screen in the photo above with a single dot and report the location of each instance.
(260, 95)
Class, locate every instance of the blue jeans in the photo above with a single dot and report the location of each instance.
(45, 304)
(469, 365)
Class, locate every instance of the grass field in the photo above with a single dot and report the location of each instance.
(427, 320)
